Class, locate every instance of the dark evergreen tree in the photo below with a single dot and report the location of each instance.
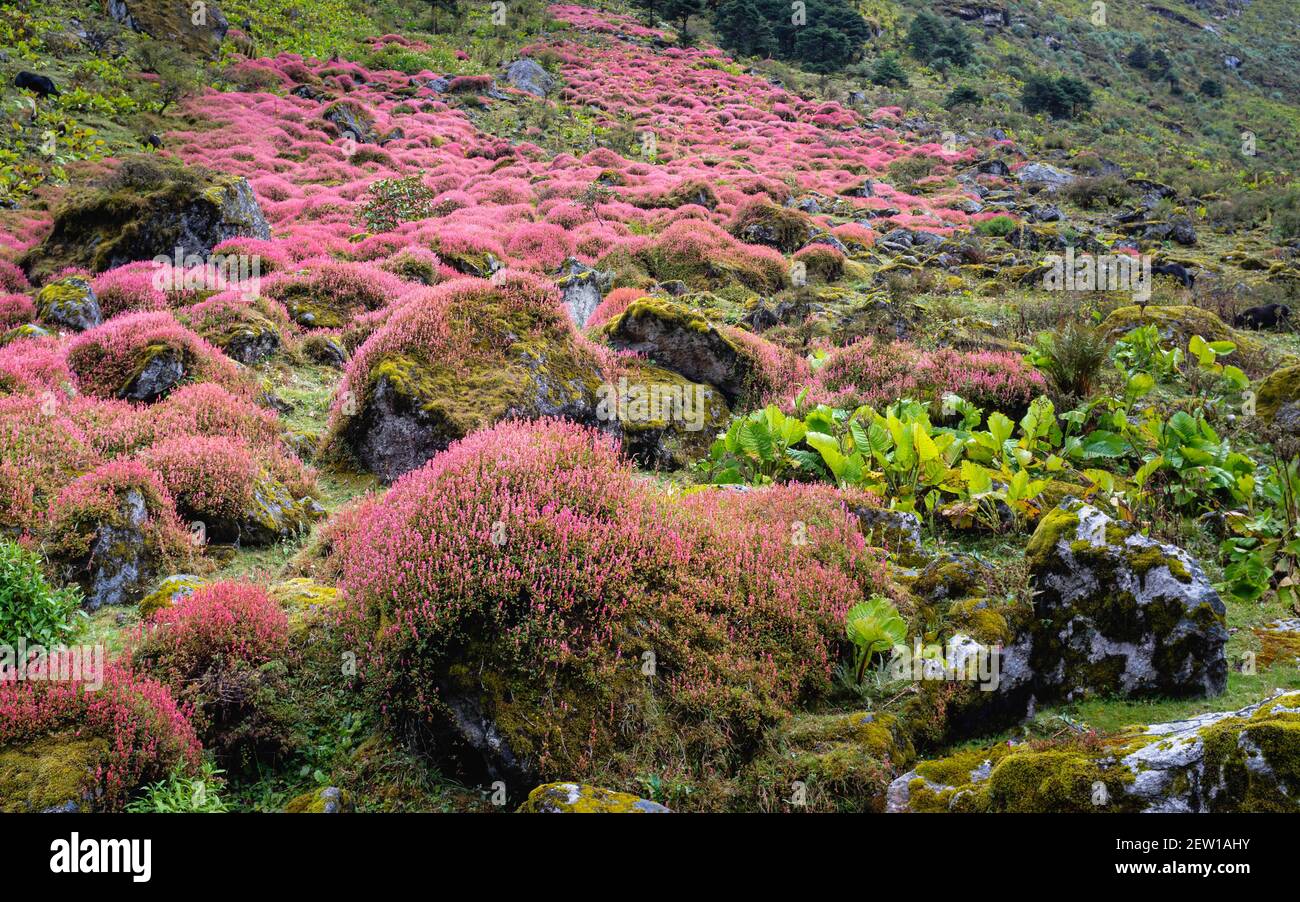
(822, 49)
(743, 29)
(1139, 57)
(889, 71)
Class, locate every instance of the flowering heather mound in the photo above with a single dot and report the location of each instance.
(246, 329)
(878, 373)
(704, 256)
(532, 552)
(327, 294)
(93, 745)
(613, 304)
(821, 262)
(460, 357)
(43, 451)
(115, 499)
(16, 309)
(143, 356)
(207, 409)
(34, 365)
(129, 288)
(209, 648)
(209, 478)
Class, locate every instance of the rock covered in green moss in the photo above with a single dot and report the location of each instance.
(174, 22)
(679, 339)
(1279, 393)
(829, 762)
(169, 591)
(579, 798)
(307, 602)
(326, 800)
(460, 357)
(147, 208)
(665, 421)
(70, 303)
(1120, 613)
(49, 774)
(1234, 761)
(274, 514)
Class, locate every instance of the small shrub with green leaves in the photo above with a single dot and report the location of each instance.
(29, 607)
(391, 202)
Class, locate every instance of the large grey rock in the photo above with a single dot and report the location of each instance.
(1120, 613)
(70, 303)
(163, 372)
(671, 336)
(119, 568)
(1222, 762)
(527, 75)
(1044, 175)
(582, 287)
(195, 27)
(148, 207)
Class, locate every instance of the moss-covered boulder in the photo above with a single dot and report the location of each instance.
(169, 591)
(50, 774)
(665, 421)
(1279, 392)
(326, 800)
(829, 762)
(579, 798)
(351, 120)
(460, 357)
(1120, 613)
(307, 604)
(682, 340)
(1234, 761)
(69, 303)
(174, 22)
(148, 207)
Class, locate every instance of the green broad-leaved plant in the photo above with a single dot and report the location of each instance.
(874, 627)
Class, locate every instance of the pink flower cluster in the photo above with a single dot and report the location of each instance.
(539, 540)
(879, 373)
(147, 734)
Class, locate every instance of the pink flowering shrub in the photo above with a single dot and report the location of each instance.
(130, 288)
(209, 648)
(146, 735)
(773, 369)
(534, 551)
(34, 365)
(612, 305)
(107, 358)
(878, 373)
(237, 621)
(43, 450)
(704, 256)
(97, 499)
(12, 279)
(209, 478)
(328, 293)
(16, 309)
(539, 245)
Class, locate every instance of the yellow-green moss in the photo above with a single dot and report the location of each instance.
(48, 772)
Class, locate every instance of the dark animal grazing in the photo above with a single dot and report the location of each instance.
(154, 140)
(42, 85)
(1178, 271)
(1266, 316)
